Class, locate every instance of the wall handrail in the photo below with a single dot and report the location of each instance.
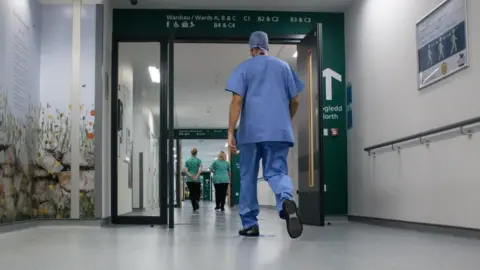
(460, 124)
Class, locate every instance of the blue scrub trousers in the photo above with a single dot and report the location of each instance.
(274, 161)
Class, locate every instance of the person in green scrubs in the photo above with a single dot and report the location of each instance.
(221, 179)
(193, 169)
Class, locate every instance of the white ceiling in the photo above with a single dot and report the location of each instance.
(264, 5)
(207, 150)
(84, 2)
(201, 72)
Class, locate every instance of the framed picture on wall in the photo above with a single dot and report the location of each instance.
(442, 42)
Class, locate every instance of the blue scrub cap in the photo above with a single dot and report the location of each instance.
(259, 39)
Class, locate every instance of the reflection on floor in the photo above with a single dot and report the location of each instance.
(208, 240)
(156, 211)
(146, 212)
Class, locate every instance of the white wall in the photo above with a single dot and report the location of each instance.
(143, 128)
(439, 184)
(56, 58)
(19, 59)
(140, 142)
(125, 79)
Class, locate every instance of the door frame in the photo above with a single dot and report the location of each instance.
(162, 175)
(166, 141)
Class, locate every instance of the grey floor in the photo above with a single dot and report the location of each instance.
(147, 212)
(208, 240)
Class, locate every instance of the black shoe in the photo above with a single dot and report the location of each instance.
(197, 205)
(250, 232)
(294, 224)
(217, 208)
(222, 209)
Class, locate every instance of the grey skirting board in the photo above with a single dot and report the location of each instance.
(28, 224)
(420, 227)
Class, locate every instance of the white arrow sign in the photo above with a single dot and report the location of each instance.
(328, 74)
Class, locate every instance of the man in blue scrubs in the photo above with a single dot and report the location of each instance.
(265, 92)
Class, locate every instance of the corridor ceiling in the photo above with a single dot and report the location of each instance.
(201, 72)
(270, 5)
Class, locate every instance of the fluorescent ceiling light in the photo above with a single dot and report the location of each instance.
(154, 74)
(295, 55)
(226, 145)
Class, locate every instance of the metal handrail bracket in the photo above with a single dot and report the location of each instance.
(468, 132)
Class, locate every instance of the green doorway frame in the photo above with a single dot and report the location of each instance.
(140, 25)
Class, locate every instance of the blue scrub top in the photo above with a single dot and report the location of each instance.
(266, 84)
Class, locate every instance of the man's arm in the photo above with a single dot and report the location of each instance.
(294, 103)
(294, 88)
(235, 110)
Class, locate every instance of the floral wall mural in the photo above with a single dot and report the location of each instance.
(35, 165)
(35, 145)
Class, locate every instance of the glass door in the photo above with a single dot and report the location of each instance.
(139, 121)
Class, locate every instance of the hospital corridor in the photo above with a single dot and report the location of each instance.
(275, 134)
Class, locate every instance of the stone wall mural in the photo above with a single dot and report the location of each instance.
(52, 172)
(35, 165)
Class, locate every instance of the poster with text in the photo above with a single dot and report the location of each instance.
(442, 42)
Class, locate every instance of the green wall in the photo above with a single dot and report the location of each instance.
(207, 186)
(208, 24)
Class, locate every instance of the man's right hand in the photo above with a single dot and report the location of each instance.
(232, 143)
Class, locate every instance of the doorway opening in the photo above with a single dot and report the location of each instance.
(201, 71)
(184, 81)
(207, 152)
